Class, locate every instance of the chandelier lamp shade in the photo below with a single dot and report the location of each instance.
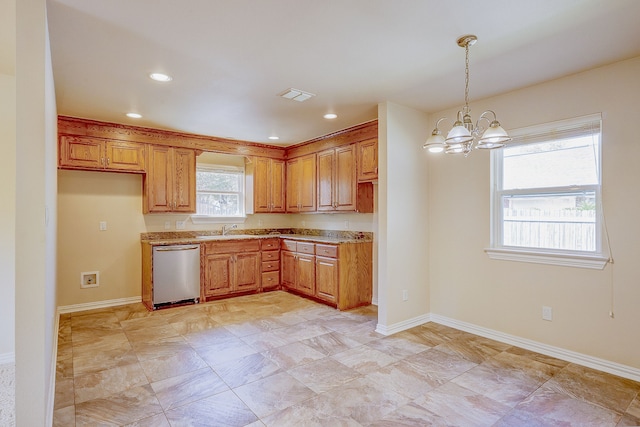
(464, 136)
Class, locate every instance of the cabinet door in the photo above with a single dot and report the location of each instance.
(345, 180)
(326, 160)
(308, 183)
(327, 279)
(247, 271)
(158, 188)
(124, 156)
(277, 174)
(81, 152)
(306, 274)
(293, 172)
(184, 180)
(261, 185)
(288, 269)
(217, 275)
(368, 160)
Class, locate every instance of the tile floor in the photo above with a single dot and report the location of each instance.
(276, 359)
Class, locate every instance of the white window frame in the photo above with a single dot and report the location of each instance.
(584, 259)
(203, 219)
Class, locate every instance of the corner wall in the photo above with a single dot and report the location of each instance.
(508, 296)
(403, 221)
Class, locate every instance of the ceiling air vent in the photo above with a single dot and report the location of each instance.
(296, 94)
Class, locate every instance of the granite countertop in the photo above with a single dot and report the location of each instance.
(178, 238)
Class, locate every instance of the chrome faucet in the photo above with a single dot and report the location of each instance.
(225, 228)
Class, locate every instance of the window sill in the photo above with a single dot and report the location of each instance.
(597, 262)
(206, 219)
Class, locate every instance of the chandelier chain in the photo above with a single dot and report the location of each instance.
(466, 77)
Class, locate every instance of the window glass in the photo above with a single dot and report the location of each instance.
(220, 192)
(546, 192)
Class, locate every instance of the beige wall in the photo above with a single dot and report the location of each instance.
(508, 296)
(35, 215)
(86, 198)
(403, 204)
(7, 216)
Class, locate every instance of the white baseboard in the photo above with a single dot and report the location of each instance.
(404, 325)
(7, 358)
(557, 352)
(54, 363)
(98, 304)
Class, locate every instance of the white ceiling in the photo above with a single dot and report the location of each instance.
(230, 58)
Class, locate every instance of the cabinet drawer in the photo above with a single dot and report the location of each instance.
(305, 248)
(270, 256)
(330, 251)
(270, 279)
(289, 245)
(270, 266)
(232, 247)
(270, 244)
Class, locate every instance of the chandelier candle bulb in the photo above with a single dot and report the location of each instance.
(464, 136)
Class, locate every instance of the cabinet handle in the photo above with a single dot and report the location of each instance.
(108, 160)
(102, 161)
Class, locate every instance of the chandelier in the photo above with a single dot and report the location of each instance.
(465, 136)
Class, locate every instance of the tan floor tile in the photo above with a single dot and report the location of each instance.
(548, 406)
(102, 353)
(600, 388)
(151, 335)
(398, 347)
(162, 346)
(225, 351)
(316, 412)
(402, 379)
(267, 340)
(208, 337)
(332, 343)
(131, 311)
(436, 367)
(107, 382)
(451, 403)
(634, 407)
(364, 359)
(246, 369)
(126, 407)
(292, 355)
(64, 417)
(628, 421)
(171, 365)
(324, 374)
(474, 349)
(413, 415)
(538, 357)
(64, 395)
(159, 420)
(273, 394)
(186, 388)
(225, 408)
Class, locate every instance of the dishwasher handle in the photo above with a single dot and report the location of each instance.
(176, 248)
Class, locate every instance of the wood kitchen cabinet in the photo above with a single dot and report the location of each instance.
(270, 257)
(337, 185)
(170, 182)
(80, 152)
(368, 160)
(298, 266)
(337, 274)
(269, 185)
(230, 267)
(301, 184)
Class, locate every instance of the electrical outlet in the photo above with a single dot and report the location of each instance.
(180, 225)
(405, 295)
(103, 225)
(89, 279)
(167, 225)
(547, 313)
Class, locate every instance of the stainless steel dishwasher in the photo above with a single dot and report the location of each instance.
(176, 274)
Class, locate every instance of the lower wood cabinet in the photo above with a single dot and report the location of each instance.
(230, 267)
(339, 275)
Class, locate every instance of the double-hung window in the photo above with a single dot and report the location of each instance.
(219, 192)
(546, 195)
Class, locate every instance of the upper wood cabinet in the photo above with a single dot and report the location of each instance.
(368, 160)
(269, 185)
(170, 183)
(79, 152)
(301, 184)
(337, 185)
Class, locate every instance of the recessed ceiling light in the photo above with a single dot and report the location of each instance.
(134, 115)
(274, 137)
(159, 77)
(330, 116)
